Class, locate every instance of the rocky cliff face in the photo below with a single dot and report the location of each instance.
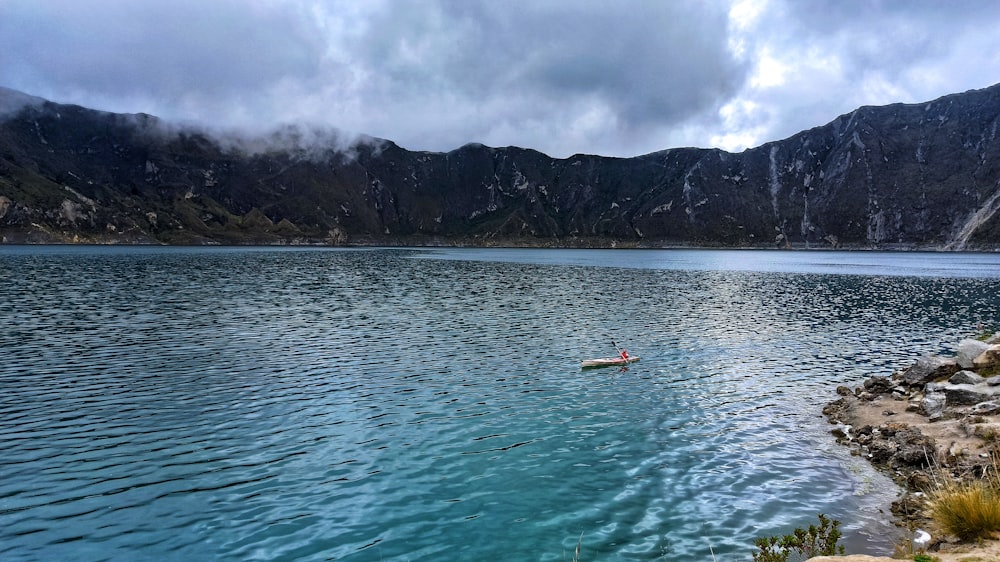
(901, 176)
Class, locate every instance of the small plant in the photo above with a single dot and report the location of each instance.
(925, 558)
(815, 541)
(987, 433)
(984, 332)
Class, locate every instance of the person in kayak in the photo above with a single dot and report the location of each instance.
(625, 354)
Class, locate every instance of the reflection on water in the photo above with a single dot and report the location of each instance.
(366, 405)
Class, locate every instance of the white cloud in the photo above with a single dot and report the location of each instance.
(769, 72)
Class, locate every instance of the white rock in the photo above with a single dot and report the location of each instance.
(968, 350)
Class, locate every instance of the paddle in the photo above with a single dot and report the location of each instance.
(617, 349)
(621, 354)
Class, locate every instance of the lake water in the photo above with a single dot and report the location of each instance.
(392, 404)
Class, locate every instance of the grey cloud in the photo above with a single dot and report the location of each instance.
(651, 63)
(430, 74)
(160, 50)
(560, 76)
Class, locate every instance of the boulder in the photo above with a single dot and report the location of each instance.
(993, 381)
(968, 350)
(966, 394)
(837, 410)
(881, 451)
(932, 387)
(879, 385)
(928, 369)
(914, 447)
(988, 358)
(966, 377)
(988, 408)
(933, 405)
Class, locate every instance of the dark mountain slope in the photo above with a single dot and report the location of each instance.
(900, 176)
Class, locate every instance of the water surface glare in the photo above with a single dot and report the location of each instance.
(390, 404)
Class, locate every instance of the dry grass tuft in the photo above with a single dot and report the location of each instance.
(968, 509)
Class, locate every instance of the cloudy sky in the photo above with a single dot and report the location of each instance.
(616, 77)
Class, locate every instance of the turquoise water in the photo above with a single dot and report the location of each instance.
(387, 404)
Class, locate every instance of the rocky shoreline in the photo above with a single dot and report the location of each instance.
(938, 418)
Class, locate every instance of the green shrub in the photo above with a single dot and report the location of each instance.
(815, 541)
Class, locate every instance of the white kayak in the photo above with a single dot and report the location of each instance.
(607, 362)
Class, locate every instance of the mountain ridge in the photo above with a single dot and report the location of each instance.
(899, 176)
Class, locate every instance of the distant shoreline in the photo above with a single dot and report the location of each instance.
(21, 239)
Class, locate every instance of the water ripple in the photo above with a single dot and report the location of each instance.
(363, 405)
